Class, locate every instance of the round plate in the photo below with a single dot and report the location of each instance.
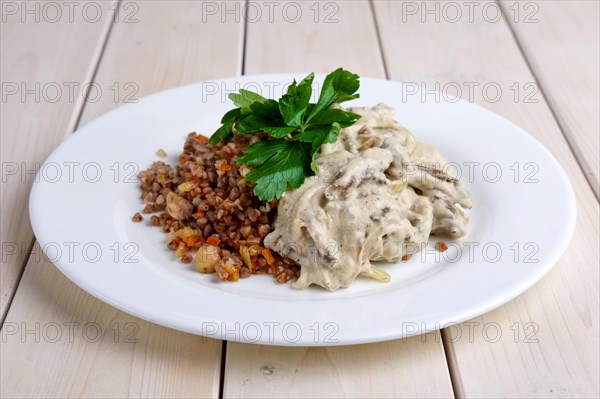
(86, 194)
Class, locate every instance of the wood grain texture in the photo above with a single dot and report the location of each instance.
(549, 341)
(41, 59)
(549, 336)
(168, 46)
(561, 45)
(174, 43)
(320, 38)
(58, 341)
(403, 368)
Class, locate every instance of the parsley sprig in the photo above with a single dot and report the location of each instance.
(296, 129)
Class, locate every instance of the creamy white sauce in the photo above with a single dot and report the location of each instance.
(378, 196)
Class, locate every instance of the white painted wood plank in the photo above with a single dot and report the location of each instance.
(58, 341)
(170, 45)
(556, 352)
(562, 44)
(409, 368)
(318, 38)
(401, 368)
(42, 59)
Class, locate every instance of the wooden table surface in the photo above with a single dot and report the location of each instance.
(542, 55)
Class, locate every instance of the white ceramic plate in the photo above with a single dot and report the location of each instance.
(86, 193)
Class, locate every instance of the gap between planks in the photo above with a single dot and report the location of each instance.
(93, 71)
(573, 146)
(243, 359)
(452, 363)
(72, 125)
(79, 108)
(379, 41)
(224, 342)
(449, 355)
(449, 349)
(150, 357)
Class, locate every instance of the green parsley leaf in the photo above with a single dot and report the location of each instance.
(263, 115)
(280, 132)
(339, 86)
(268, 110)
(260, 151)
(331, 115)
(225, 132)
(245, 98)
(297, 130)
(252, 124)
(277, 166)
(293, 104)
(318, 136)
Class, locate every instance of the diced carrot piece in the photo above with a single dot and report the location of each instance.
(268, 256)
(441, 246)
(225, 167)
(191, 242)
(212, 240)
(198, 214)
(201, 138)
